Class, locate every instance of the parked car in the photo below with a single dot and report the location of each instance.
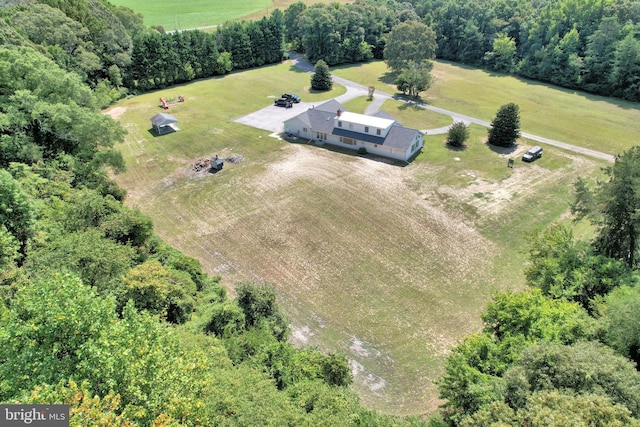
(533, 154)
(292, 97)
(283, 102)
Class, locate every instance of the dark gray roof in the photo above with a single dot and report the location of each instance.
(321, 119)
(331, 105)
(400, 137)
(163, 119)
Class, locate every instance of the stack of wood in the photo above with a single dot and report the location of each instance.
(235, 158)
(202, 164)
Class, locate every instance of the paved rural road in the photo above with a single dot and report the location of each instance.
(355, 89)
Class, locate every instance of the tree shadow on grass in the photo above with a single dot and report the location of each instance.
(312, 90)
(389, 77)
(156, 134)
(502, 150)
(410, 104)
(450, 147)
(296, 69)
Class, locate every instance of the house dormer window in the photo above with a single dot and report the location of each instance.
(339, 123)
(366, 129)
(378, 131)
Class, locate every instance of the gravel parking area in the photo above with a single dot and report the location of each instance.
(272, 118)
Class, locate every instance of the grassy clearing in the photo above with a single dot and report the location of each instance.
(595, 122)
(202, 13)
(390, 265)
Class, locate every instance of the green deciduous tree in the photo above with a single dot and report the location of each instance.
(224, 319)
(555, 409)
(552, 408)
(536, 318)
(100, 262)
(16, 212)
(458, 134)
(626, 68)
(584, 367)
(408, 42)
(160, 290)
(85, 408)
(415, 78)
(59, 330)
(258, 302)
(621, 321)
(321, 78)
(9, 248)
(502, 56)
(44, 106)
(600, 54)
(505, 128)
(292, 33)
(564, 268)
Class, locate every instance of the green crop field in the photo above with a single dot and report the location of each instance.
(174, 15)
(389, 264)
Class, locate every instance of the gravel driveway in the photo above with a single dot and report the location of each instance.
(272, 118)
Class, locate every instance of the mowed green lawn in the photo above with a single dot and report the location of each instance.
(578, 118)
(391, 265)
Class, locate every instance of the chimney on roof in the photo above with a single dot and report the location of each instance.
(339, 112)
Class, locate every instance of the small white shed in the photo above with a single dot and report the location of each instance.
(163, 123)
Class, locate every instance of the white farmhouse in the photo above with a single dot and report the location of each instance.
(378, 134)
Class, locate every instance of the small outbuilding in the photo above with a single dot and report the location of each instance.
(164, 123)
(216, 164)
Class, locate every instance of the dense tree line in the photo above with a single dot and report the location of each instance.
(588, 45)
(90, 38)
(160, 60)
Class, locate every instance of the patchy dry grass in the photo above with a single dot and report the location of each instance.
(390, 265)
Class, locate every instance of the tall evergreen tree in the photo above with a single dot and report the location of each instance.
(505, 128)
(321, 79)
(618, 234)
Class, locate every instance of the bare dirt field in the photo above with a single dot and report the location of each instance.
(367, 262)
(391, 265)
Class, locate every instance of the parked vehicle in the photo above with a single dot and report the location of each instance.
(291, 96)
(533, 154)
(283, 102)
